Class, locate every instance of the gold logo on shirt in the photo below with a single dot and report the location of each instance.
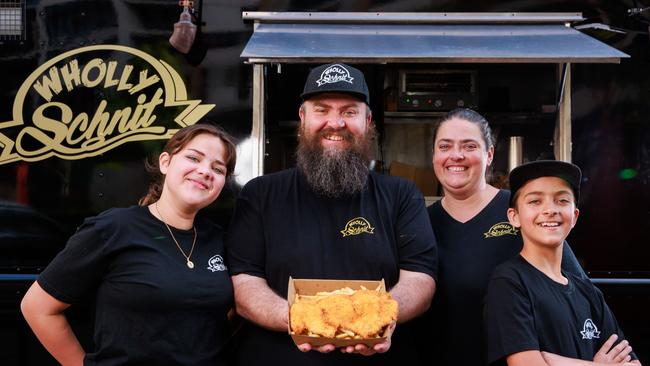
(500, 229)
(357, 226)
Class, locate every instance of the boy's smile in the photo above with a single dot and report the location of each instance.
(545, 211)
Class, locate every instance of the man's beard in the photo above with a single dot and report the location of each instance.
(335, 172)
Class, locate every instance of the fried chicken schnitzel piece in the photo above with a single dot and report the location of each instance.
(376, 310)
(365, 313)
(307, 316)
(338, 310)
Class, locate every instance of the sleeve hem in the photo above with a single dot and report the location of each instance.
(55, 292)
(235, 272)
(414, 268)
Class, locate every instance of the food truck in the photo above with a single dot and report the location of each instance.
(91, 89)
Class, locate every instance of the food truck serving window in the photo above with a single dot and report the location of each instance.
(421, 38)
(427, 37)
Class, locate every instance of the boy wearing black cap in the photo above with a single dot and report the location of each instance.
(535, 313)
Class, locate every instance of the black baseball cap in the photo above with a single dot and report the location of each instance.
(520, 175)
(336, 78)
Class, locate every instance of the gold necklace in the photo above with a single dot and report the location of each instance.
(190, 264)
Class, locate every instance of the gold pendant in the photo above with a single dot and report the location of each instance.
(190, 264)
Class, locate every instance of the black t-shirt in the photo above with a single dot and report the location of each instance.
(281, 228)
(527, 310)
(468, 253)
(151, 309)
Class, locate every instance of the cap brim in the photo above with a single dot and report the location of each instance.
(568, 172)
(360, 96)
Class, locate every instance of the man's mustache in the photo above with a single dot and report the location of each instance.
(344, 133)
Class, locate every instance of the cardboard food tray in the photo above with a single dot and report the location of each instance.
(313, 286)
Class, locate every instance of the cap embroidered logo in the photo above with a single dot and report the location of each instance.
(334, 74)
(336, 78)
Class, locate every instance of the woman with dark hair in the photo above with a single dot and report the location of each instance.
(473, 235)
(155, 272)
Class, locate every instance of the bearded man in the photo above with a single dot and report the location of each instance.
(298, 222)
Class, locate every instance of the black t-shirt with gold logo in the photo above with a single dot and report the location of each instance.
(468, 253)
(281, 228)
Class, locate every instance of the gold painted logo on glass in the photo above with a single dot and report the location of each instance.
(500, 229)
(147, 87)
(357, 226)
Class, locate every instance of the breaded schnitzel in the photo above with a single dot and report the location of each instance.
(366, 313)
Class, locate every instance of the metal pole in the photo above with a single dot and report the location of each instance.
(562, 136)
(257, 132)
(515, 152)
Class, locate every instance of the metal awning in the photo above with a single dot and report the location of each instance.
(379, 38)
(422, 37)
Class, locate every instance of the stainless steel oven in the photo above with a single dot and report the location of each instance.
(437, 90)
